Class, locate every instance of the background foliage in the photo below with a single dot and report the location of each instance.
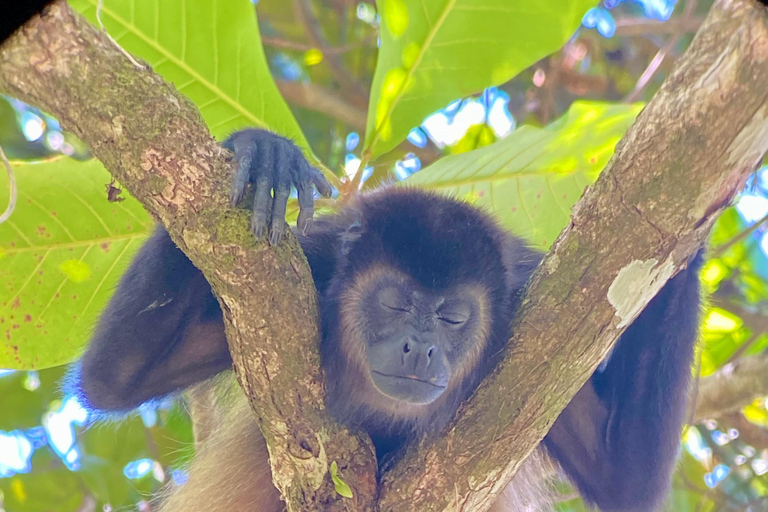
(510, 104)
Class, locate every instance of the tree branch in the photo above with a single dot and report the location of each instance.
(627, 27)
(153, 140)
(674, 172)
(734, 386)
(319, 99)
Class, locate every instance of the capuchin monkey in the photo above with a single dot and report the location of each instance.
(416, 296)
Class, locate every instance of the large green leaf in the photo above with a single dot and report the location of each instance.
(435, 51)
(211, 51)
(532, 178)
(61, 254)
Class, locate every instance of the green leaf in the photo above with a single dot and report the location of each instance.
(61, 254)
(436, 51)
(341, 487)
(51, 487)
(211, 52)
(531, 179)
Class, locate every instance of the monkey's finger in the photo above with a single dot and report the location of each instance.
(263, 182)
(262, 205)
(244, 155)
(306, 207)
(277, 228)
(320, 182)
(282, 187)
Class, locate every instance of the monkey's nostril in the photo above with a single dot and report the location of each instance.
(429, 354)
(406, 348)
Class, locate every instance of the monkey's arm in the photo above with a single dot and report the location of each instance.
(162, 331)
(618, 439)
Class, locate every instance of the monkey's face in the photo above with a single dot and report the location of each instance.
(412, 344)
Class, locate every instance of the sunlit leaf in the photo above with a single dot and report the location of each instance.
(531, 179)
(341, 487)
(61, 254)
(756, 415)
(720, 320)
(436, 51)
(211, 52)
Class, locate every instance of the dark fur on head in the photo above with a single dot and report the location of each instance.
(442, 244)
(417, 293)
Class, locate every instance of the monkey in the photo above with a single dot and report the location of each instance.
(416, 294)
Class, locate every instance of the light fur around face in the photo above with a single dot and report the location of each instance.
(231, 471)
(351, 337)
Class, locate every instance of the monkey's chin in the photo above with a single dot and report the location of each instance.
(406, 389)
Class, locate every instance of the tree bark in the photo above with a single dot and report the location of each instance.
(732, 387)
(674, 172)
(154, 141)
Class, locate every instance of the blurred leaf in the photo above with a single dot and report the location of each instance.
(61, 255)
(436, 51)
(756, 415)
(49, 485)
(478, 136)
(211, 52)
(23, 408)
(107, 448)
(689, 491)
(531, 179)
(174, 438)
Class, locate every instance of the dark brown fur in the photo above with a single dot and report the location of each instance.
(616, 441)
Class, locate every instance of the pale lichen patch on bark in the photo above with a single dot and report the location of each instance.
(635, 285)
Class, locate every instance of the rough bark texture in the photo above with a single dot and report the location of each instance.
(679, 166)
(732, 387)
(154, 141)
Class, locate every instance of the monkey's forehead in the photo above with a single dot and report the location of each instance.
(381, 275)
(436, 240)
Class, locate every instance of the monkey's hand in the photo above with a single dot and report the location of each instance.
(269, 163)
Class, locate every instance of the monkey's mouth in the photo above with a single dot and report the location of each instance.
(407, 388)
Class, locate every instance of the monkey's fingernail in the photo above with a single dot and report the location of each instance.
(258, 228)
(307, 227)
(274, 237)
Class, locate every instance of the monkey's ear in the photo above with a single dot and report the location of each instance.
(520, 261)
(350, 235)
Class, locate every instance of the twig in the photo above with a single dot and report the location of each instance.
(628, 27)
(303, 11)
(319, 99)
(719, 251)
(277, 42)
(13, 193)
(653, 66)
(117, 45)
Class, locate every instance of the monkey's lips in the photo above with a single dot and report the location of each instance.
(407, 388)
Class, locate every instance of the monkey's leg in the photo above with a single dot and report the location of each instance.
(161, 331)
(618, 438)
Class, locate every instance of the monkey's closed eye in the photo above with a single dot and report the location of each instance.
(401, 309)
(389, 298)
(453, 319)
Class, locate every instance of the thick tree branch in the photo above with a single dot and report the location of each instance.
(154, 141)
(732, 387)
(674, 172)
